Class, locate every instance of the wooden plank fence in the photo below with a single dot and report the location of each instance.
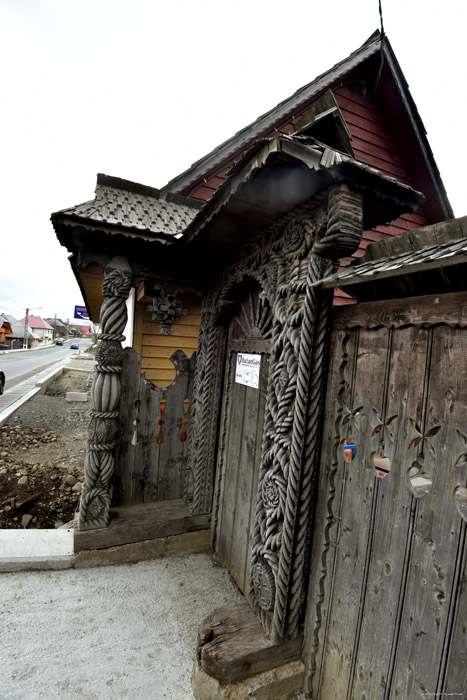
(154, 425)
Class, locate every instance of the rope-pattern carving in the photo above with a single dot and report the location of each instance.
(287, 259)
(105, 394)
(205, 403)
(307, 411)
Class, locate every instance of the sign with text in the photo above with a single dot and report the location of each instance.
(247, 369)
(81, 312)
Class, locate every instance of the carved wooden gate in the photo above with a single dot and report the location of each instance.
(387, 605)
(240, 435)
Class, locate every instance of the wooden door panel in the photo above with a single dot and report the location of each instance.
(239, 451)
(391, 528)
(425, 633)
(356, 511)
(387, 602)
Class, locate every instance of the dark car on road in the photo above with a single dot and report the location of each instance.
(2, 381)
(59, 341)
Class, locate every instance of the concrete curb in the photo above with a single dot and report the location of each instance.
(40, 388)
(22, 550)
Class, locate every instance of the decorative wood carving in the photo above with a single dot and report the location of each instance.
(287, 259)
(99, 464)
(166, 308)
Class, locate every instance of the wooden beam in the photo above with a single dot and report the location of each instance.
(144, 521)
(232, 645)
(450, 309)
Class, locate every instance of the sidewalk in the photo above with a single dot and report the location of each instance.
(12, 399)
(107, 633)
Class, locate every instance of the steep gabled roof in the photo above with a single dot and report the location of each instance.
(36, 322)
(387, 76)
(17, 328)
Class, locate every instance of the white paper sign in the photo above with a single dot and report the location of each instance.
(247, 370)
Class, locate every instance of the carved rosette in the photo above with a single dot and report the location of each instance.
(105, 394)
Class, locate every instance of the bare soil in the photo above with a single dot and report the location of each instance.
(42, 450)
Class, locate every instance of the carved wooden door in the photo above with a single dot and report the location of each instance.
(241, 427)
(388, 604)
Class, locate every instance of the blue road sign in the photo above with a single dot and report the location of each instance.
(81, 312)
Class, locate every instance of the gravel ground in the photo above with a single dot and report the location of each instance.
(108, 633)
(42, 449)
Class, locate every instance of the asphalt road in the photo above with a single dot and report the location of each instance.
(19, 366)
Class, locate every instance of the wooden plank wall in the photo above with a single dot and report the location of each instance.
(155, 349)
(387, 606)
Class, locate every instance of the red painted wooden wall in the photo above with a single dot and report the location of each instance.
(372, 145)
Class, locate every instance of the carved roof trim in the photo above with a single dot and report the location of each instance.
(330, 165)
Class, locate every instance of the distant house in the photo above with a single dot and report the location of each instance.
(5, 328)
(15, 339)
(60, 327)
(81, 331)
(39, 327)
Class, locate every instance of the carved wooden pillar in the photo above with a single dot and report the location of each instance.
(206, 401)
(99, 464)
(292, 424)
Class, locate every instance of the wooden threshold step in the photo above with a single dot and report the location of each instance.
(144, 521)
(232, 645)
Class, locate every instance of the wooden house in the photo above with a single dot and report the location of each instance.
(5, 329)
(320, 443)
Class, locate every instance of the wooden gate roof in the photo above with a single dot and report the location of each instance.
(413, 263)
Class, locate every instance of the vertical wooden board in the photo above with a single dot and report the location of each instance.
(247, 479)
(331, 487)
(138, 328)
(253, 492)
(356, 520)
(172, 451)
(125, 452)
(455, 684)
(392, 532)
(224, 428)
(427, 614)
(152, 459)
(144, 450)
(229, 504)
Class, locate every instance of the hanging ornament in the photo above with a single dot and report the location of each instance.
(183, 436)
(161, 421)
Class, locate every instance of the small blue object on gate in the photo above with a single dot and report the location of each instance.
(81, 312)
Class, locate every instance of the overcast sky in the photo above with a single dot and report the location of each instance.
(141, 89)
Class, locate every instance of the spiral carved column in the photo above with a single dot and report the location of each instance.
(105, 393)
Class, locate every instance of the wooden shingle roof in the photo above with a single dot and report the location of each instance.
(136, 207)
(414, 261)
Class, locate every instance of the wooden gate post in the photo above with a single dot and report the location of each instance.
(99, 463)
(282, 519)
